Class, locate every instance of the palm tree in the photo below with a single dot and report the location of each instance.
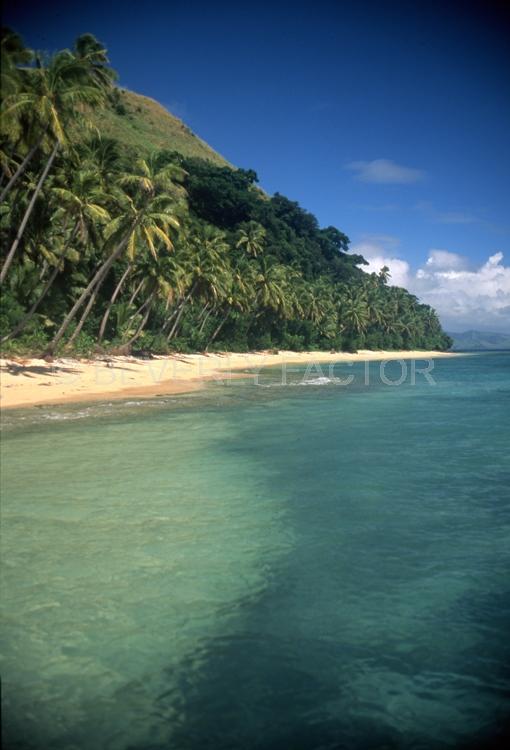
(251, 237)
(82, 200)
(10, 255)
(384, 274)
(13, 54)
(238, 296)
(149, 225)
(319, 306)
(271, 290)
(103, 156)
(208, 269)
(39, 100)
(94, 58)
(116, 292)
(51, 96)
(78, 203)
(149, 178)
(57, 258)
(355, 311)
(158, 286)
(375, 304)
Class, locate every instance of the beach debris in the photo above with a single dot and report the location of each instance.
(142, 354)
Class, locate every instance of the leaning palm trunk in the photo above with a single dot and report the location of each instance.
(166, 324)
(44, 268)
(49, 283)
(217, 331)
(202, 312)
(205, 319)
(136, 293)
(179, 314)
(22, 167)
(144, 320)
(113, 298)
(30, 314)
(142, 307)
(28, 212)
(97, 279)
(86, 312)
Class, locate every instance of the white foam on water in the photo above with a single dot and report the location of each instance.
(322, 380)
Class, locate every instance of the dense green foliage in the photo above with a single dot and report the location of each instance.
(105, 247)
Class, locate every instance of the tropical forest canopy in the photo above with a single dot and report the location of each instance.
(108, 247)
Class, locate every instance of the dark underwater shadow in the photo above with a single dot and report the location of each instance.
(275, 687)
(255, 691)
(252, 692)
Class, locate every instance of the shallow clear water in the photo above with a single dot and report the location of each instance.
(301, 564)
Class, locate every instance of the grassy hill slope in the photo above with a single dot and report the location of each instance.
(142, 122)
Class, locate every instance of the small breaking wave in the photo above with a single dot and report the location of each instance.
(322, 380)
(61, 413)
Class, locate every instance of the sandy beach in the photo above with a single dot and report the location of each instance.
(31, 382)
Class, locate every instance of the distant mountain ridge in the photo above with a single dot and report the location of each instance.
(480, 340)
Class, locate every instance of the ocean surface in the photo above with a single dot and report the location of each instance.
(300, 563)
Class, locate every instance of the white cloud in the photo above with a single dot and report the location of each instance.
(377, 256)
(464, 297)
(384, 171)
(443, 260)
(476, 298)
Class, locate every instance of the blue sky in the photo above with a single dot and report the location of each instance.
(389, 120)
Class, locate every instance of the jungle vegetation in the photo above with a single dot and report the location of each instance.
(108, 246)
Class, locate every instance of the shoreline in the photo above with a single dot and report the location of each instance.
(34, 382)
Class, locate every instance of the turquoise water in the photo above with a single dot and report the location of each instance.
(300, 565)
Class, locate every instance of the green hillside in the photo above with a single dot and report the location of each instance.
(120, 227)
(146, 125)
